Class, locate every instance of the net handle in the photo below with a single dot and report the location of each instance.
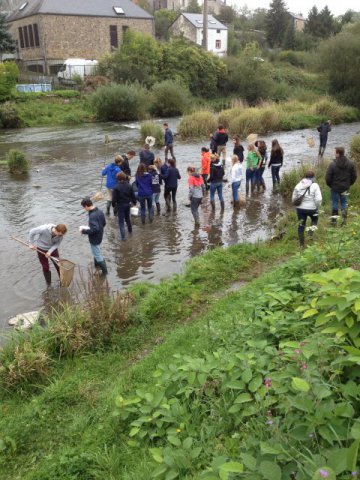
(55, 259)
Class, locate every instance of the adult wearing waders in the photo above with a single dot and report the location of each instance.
(340, 175)
(95, 232)
(323, 130)
(169, 142)
(111, 171)
(46, 240)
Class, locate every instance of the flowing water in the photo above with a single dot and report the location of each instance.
(66, 165)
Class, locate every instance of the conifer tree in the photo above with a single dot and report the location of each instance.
(276, 22)
(7, 43)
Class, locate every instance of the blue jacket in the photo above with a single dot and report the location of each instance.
(97, 223)
(169, 137)
(144, 185)
(171, 177)
(111, 171)
(147, 157)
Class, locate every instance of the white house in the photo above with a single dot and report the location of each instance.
(190, 26)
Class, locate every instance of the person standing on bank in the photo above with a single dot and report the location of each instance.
(276, 162)
(323, 130)
(216, 182)
(340, 175)
(171, 178)
(168, 141)
(196, 193)
(221, 138)
(95, 232)
(111, 171)
(46, 240)
(123, 196)
(307, 198)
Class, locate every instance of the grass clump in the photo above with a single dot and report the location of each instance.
(169, 99)
(154, 130)
(17, 162)
(198, 124)
(120, 102)
(355, 149)
(9, 116)
(331, 109)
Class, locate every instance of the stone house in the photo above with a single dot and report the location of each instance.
(190, 26)
(48, 32)
(299, 21)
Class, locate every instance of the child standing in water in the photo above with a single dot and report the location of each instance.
(276, 162)
(252, 161)
(235, 179)
(205, 165)
(196, 193)
(261, 147)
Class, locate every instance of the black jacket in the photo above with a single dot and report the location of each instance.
(147, 157)
(125, 167)
(324, 129)
(123, 194)
(220, 138)
(171, 177)
(276, 157)
(239, 151)
(97, 223)
(216, 172)
(341, 174)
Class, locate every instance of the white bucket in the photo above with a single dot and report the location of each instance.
(134, 211)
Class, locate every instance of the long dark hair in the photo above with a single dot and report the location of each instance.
(141, 170)
(275, 147)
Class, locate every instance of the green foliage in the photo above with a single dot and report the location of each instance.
(154, 130)
(294, 58)
(9, 116)
(169, 99)
(193, 7)
(7, 43)
(163, 19)
(340, 58)
(277, 19)
(227, 14)
(355, 149)
(197, 124)
(320, 24)
(67, 93)
(120, 102)
(9, 73)
(17, 162)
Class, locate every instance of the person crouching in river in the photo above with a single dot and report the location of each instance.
(123, 196)
(145, 193)
(196, 193)
(307, 198)
(46, 240)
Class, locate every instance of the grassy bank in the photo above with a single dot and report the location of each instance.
(269, 117)
(221, 370)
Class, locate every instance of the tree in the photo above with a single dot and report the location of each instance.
(289, 41)
(193, 7)
(320, 24)
(227, 14)
(276, 22)
(163, 19)
(7, 43)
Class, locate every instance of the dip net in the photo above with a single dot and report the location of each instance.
(98, 196)
(66, 269)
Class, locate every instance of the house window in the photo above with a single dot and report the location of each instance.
(119, 11)
(218, 31)
(36, 35)
(114, 42)
(26, 37)
(21, 37)
(31, 35)
(218, 44)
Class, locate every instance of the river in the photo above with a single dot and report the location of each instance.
(65, 166)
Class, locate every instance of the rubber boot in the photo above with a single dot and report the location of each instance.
(96, 265)
(247, 188)
(301, 239)
(174, 206)
(212, 203)
(236, 205)
(115, 207)
(333, 220)
(103, 267)
(263, 184)
(142, 219)
(47, 276)
(158, 208)
(108, 205)
(168, 204)
(344, 216)
(222, 205)
(151, 215)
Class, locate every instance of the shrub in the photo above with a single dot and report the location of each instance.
(243, 121)
(17, 162)
(154, 130)
(330, 109)
(198, 124)
(291, 178)
(67, 93)
(9, 73)
(294, 58)
(169, 99)
(120, 102)
(355, 149)
(9, 116)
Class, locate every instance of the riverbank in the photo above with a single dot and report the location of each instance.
(219, 370)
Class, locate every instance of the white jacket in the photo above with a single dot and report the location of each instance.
(236, 173)
(312, 198)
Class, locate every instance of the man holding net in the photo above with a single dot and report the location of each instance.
(46, 239)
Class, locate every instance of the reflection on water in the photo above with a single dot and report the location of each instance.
(66, 165)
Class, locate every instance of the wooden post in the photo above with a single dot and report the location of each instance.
(205, 25)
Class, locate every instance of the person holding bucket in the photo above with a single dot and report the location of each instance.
(46, 239)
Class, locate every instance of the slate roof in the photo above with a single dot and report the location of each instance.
(298, 16)
(197, 20)
(83, 8)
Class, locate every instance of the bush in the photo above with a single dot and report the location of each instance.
(154, 130)
(9, 73)
(198, 124)
(355, 149)
(17, 162)
(169, 99)
(294, 58)
(9, 116)
(330, 109)
(67, 93)
(120, 102)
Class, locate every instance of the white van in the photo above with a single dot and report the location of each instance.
(78, 67)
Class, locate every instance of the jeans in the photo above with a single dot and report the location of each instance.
(337, 197)
(45, 261)
(143, 201)
(169, 148)
(194, 205)
(302, 217)
(124, 216)
(221, 151)
(235, 190)
(156, 197)
(216, 187)
(95, 250)
(250, 178)
(259, 176)
(275, 174)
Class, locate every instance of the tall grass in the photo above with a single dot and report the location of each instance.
(355, 149)
(17, 162)
(198, 124)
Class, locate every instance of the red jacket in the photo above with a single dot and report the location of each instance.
(205, 162)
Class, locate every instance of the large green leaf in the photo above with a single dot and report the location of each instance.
(300, 384)
(270, 470)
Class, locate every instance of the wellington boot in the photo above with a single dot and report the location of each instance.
(168, 204)
(158, 208)
(143, 219)
(108, 205)
(103, 267)
(236, 205)
(344, 216)
(334, 214)
(222, 205)
(301, 239)
(47, 276)
(174, 206)
(212, 203)
(115, 207)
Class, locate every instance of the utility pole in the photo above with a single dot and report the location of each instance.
(205, 25)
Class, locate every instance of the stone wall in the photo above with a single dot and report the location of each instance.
(182, 27)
